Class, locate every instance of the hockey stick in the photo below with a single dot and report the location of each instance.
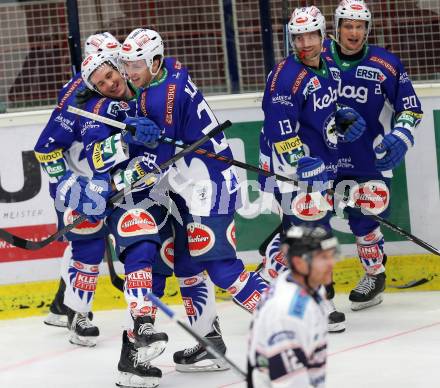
(35, 245)
(117, 281)
(258, 170)
(207, 344)
(285, 21)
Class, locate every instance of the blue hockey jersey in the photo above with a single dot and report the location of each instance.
(378, 87)
(59, 147)
(299, 105)
(206, 186)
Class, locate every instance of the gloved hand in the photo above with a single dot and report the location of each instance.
(391, 151)
(94, 197)
(88, 197)
(350, 125)
(312, 171)
(147, 132)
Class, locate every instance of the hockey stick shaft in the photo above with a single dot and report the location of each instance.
(210, 348)
(35, 245)
(111, 257)
(258, 170)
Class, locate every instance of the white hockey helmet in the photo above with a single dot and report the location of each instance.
(144, 44)
(92, 63)
(355, 10)
(306, 19)
(102, 43)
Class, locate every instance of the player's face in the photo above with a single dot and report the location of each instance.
(308, 46)
(137, 72)
(352, 34)
(109, 82)
(322, 267)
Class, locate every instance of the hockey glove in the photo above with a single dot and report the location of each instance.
(391, 151)
(147, 132)
(68, 191)
(94, 197)
(311, 173)
(350, 125)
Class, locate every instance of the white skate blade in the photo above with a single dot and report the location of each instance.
(150, 352)
(130, 380)
(209, 365)
(75, 339)
(356, 306)
(338, 327)
(57, 320)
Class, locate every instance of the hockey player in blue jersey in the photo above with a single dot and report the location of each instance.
(299, 138)
(139, 223)
(374, 83)
(59, 150)
(204, 191)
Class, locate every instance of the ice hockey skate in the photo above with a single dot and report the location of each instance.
(133, 374)
(336, 319)
(57, 311)
(197, 359)
(82, 331)
(149, 343)
(368, 292)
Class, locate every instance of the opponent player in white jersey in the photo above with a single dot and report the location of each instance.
(288, 340)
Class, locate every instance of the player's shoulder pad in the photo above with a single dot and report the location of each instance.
(384, 59)
(69, 90)
(298, 303)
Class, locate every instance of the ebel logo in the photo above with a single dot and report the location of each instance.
(335, 72)
(359, 94)
(283, 100)
(370, 74)
(312, 86)
(326, 100)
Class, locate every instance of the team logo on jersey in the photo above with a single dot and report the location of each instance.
(167, 252)
(372, 195)
(171, 95)
(85, 227)
(201, 238)
(136, 222)
(275, 76)
(312, 86)
(325, 100)
(403, 79)
(298, 81)
(50, 156)
(336, 73)
(283, 100)
(329, 132)
(305, 208)
(370, 74)
(359, 94)
(385, 64)
(230, 234)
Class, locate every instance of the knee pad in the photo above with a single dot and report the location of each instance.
(370, 251)
(198, 297)
(139, 255)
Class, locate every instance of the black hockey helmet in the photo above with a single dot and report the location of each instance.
(304, 240)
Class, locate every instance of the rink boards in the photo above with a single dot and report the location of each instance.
(27, 279)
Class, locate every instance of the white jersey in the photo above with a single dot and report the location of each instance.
(288, 340)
